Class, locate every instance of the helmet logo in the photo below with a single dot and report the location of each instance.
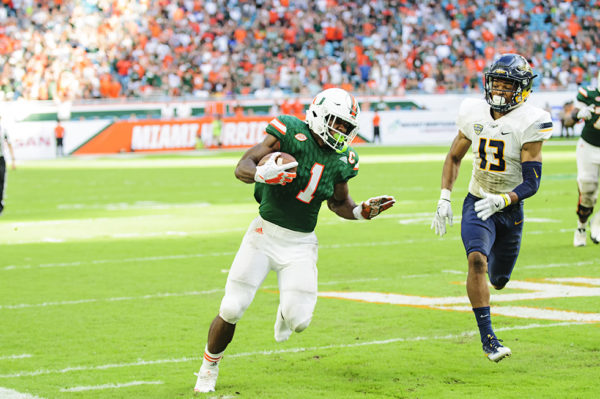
(525, 68)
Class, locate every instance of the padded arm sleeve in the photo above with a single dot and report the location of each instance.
(532, 174)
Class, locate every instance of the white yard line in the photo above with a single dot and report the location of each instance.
(6, 393)
(166, 295)
(110, 386)
(114, 299)
(552, 265)
(230, 253)
(11, 357)
(272, 352)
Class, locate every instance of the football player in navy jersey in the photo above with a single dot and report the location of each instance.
(505, 136)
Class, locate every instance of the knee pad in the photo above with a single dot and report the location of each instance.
(588, 192)
(298, 317)
(498, 282)
(231, 310)
(303, 325)
(237, 298)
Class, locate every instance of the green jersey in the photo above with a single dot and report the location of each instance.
(296, 205)
(591, 128)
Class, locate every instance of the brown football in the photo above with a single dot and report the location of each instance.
(281, 159)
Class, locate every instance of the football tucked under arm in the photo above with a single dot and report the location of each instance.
(276, 168)
(373, 206)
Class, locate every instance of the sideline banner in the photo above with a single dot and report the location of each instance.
(35, 140)
(176, 135)
(432, 121)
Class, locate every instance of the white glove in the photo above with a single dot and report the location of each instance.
(373, 206)
(443, 212)
(586, 113)
(490, 204)
(271, 173)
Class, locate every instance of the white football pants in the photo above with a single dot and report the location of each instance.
(292, 254)
(588, 172)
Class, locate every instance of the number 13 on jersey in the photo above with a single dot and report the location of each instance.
(495, 149)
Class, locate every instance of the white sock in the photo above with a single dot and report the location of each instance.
(211, 359)
(580, 225)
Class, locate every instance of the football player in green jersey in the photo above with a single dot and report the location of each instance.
(282, 237)
(588, 162)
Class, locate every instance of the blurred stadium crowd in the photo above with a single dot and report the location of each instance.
(80, 49)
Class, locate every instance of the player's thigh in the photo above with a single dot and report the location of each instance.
(250, 265)
(507, 245)
(298, 281)
(477, 235)
(588, 163)
(247, 273)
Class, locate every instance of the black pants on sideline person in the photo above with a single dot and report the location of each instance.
(2, 181)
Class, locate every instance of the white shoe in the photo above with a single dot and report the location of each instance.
(207, 379)
(494, 350)
(580, 238)
(282, 331)
(595, 229)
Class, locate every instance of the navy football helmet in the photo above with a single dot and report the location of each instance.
(514, 69)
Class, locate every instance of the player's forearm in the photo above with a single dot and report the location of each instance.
(342, 208)
(245, 170)
(450, 172)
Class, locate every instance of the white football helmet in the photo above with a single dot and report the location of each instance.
(329, 109)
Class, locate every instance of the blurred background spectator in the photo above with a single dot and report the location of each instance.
(85, 49)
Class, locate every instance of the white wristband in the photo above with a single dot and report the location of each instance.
(357, 212)
(445, 195)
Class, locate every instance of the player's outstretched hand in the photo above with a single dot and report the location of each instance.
(442, 213)
(490, 204)
(271, 173)
(373, 206)
(586, 113)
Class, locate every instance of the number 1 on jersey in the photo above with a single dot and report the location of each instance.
(307, 194)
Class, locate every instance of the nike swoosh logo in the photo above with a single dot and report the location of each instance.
(504, 133)
(483, 316)
(519, 222)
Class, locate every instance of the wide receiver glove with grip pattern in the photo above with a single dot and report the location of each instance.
(272, 173)
(586, 112)
(443, 212)
(490, 204)
(373, 206)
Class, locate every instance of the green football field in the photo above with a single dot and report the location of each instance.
(111, 270)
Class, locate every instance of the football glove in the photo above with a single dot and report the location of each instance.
(373, 206)
(586, 113)
(271, 173)
(490, 204)
(443, 212)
